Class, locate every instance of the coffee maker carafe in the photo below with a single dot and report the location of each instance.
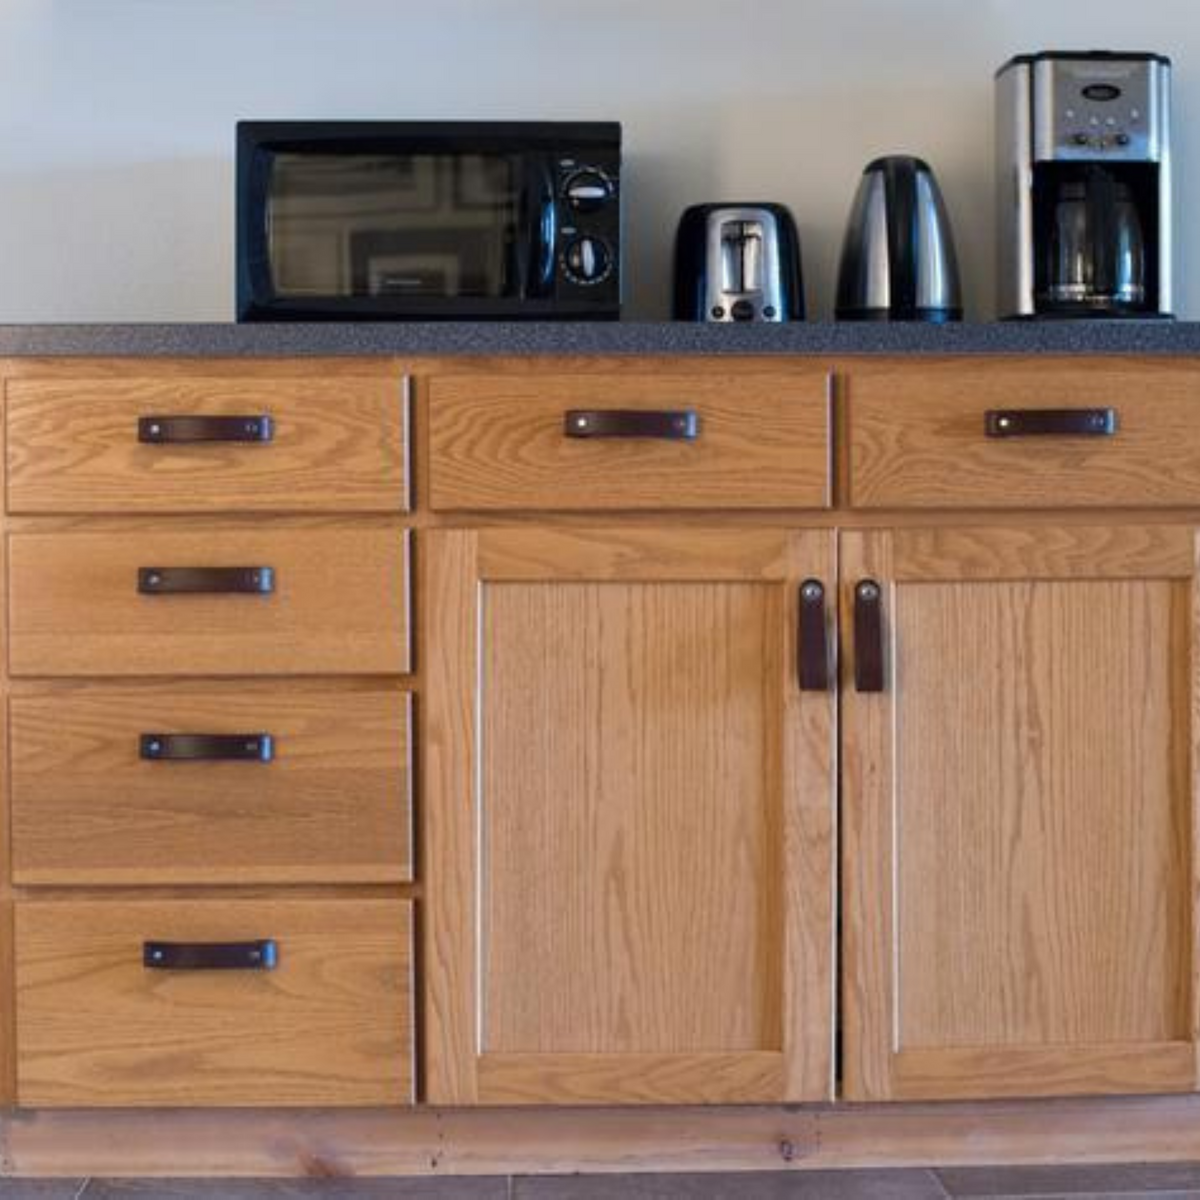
(1084, 185)
(1095, 258)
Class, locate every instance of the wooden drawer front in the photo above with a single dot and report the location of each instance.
(917, 435)
(340, 603)
(331, 1024)
(762, 442)
(331, 805)
(338, 444)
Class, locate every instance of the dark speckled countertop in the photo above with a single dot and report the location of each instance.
(418, 340)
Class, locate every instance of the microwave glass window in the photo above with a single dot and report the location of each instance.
(393, 225)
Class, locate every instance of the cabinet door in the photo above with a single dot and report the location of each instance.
(629, 818)
(1018, 813)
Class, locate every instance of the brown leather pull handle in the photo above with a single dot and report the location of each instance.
(188, 430)
(812, 646)
(682, 425)
(868, 636)
(259, 955)
(1050, 422)
(206, 747)
(182, 581)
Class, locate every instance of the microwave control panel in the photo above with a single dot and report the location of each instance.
(588, 234)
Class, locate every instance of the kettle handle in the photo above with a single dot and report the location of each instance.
(900, 185)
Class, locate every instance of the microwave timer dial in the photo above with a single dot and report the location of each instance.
(587, 260)
(587, 189)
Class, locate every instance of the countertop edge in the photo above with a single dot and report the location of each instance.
(585, 339)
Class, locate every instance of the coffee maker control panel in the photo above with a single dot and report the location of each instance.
(1099, 108)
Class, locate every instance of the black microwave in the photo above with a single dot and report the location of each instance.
(435, 220)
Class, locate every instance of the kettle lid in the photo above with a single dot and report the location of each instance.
(892, 162)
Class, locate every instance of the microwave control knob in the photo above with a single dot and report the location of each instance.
(587, 260)
(588, 190)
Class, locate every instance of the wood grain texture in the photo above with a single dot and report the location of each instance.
(340, 444)
(449, 752)
(1069, 1069)
(690, 1077)
(1055, 551)
(621, 553)
(1041, 842)
(631, 753)
(8, 1063)
(331, 1144)
(867, 965)
(498, 443)
(1026, 919)
(331, 1025)
(639, 742)
(917, 435)
(340, 604)
(333, 805)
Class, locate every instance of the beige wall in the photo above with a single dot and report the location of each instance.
(116, 117)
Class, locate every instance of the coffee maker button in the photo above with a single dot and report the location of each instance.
(1122, 139)
(718, 313)
(769, 311)
(1080, 139)
(742, 310)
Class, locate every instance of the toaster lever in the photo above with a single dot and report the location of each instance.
(741, 256)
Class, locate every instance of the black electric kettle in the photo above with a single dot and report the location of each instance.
(898, 261)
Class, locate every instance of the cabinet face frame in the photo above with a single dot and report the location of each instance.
(459, 567)
(878, 1063)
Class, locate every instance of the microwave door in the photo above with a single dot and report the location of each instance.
(396, 229)
(457, 242)
(537, 229)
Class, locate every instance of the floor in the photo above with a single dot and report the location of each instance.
(1175, 1182)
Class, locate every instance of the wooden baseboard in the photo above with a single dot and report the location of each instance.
(548, 1141)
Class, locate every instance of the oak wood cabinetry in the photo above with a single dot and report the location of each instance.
(1017, 795)
(333, 804)
(630, 772)
(1018, 815)
(321, 443)
(337, 602)
(330, 1024)
(631, 861)
(917, 435)
(758, 440)
(208, 741)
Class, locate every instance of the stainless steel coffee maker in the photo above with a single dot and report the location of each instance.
(1083, 175)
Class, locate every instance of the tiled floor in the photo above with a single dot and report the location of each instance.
(1181, 1182)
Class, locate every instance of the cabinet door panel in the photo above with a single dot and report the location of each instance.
(633, 885)
(1018, 805)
